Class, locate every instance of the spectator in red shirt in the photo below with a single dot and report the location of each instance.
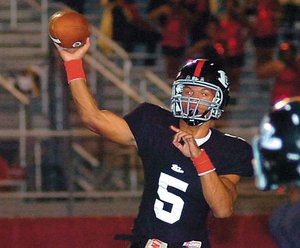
(141, 30)
(264, 29)
(233, 36)
(200, 10)
(175, 33)
(286, 72)
(122, 22)
(210, 47)
(225, 41)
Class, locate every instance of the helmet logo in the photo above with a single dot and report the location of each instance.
(223, 79)
(179, 89)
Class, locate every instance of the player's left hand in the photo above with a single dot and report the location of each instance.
(185, 143)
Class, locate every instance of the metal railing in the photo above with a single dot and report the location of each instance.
(41, 7)
(119, 75)
(23, 115)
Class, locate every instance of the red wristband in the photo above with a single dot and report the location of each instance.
(74, 69)
(203, 164)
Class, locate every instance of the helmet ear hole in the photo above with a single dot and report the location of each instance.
(227, 100)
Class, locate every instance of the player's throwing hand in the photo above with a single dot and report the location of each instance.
(68, 54)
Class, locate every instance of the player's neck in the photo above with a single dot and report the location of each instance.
(197, 131)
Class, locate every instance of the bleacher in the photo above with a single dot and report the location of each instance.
(21, 46)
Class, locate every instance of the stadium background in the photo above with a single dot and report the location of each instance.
(69, 188)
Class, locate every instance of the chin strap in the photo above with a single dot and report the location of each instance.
(195, 122)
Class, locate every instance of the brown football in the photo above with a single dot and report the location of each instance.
(68, 29)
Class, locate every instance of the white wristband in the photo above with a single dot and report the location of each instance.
(206, 172)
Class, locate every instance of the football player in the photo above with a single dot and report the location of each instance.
(277, 165)
(190, 168)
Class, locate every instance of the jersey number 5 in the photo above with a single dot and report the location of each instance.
(168, 197)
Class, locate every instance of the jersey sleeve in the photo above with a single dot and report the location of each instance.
(149, 125)
(137, 121)
(242, 163)
(230, 154)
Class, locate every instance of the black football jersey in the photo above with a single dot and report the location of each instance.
(173, 208)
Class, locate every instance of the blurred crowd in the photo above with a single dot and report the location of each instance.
(217, 30)
(186, 29)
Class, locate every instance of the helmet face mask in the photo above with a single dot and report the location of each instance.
(261, 180)
(187, 107)
(277, 147)
(195, 110)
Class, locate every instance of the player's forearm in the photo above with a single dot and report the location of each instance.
(219, 191)
(99, 121)
(219, 194)
(84, 101)
(102, 122)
